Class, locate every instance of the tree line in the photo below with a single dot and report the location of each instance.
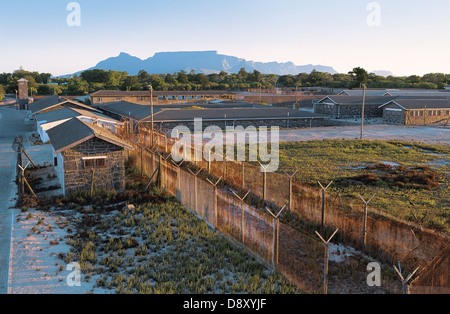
(93, 80)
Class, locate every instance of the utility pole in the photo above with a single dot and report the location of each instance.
(363, 112)
(327, 257)
(150, 87)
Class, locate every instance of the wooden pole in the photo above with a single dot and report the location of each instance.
(92, 183)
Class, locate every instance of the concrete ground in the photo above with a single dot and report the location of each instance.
(423, 134)
(11, 125)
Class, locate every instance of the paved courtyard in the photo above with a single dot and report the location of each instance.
(11, 124)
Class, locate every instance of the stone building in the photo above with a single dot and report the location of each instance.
(54, 102)
(23, 93)
(87, 155)
(345, 107)
(416, 111)
(236, 117)
(159, 97)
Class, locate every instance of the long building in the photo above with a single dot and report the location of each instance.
(159, 97)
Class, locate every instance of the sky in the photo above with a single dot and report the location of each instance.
(405, 37)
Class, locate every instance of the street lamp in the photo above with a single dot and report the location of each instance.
(150, 87)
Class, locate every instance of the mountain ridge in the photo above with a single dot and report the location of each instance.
(206, 62)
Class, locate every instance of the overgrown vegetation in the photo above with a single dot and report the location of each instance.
(411, 180)
(160, 247)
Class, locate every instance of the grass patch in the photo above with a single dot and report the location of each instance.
(411, 179)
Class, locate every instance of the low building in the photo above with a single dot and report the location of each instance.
(55, 102)
(87, 155)
(161, 97)
(123, 109)
(233, 117)
(344, 107)
(416, 111)
(48, 120)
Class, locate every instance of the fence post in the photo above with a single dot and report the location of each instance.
(404, 281)
(323, 200)
(215, 200)
(364, 232)
(242, 214)
(264, 180)
(178, 178)
(195, 187)
(165, 175)
(291, 178)
(276, 235)
(243, 174)
(327, 256)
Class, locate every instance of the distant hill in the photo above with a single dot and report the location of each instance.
(206, 62)
(383, 73)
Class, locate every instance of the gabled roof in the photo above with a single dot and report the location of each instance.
(360, 92)
(356, 100)
(231, 114)
(74, 132)
(67, 113)
(418, 93)
(412, 104)
(53, 101)
(127, 109)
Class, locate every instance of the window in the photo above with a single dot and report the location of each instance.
(94, 162)
(55, 161)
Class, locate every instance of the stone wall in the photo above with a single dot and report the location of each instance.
(393, 116)
(349, 111)
(110, 177)
(291, 123)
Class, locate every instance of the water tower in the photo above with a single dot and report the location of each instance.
(23, 93)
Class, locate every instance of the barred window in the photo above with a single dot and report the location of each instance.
(94, 163)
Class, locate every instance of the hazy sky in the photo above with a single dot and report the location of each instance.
(411, 38)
